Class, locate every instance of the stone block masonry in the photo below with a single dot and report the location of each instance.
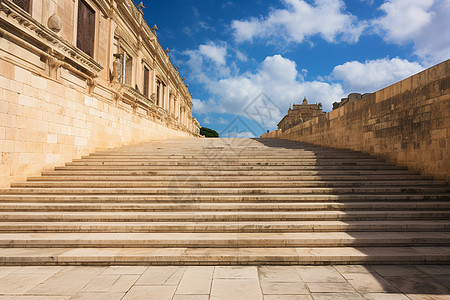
(43, 124)
(70, 86)
(407, 123)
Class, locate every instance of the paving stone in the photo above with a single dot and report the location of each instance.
(111, 283)
(167, 275)
(43, 269)
(435, 269)
(336, 296)
(68, 281)
(396, 270)
(418, 284)
(442, 279)
(370, 283)
(428, 297)
(236, 272)
(125, 270)
(287, 297)
(196, 281)
(279, 273)
(124, 283)
(330, 287)
(6, 270)
(28, 297)
(320, 274)
(190, 297)
(384, 296)
(354, 269)
(283, 288)
(150, 293)
(19, 282)
(97, 296)
(101, 283)
(230, 289)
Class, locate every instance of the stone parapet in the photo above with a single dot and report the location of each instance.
(407, 123)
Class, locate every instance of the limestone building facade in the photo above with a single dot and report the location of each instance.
(78, 75)
(300, 113)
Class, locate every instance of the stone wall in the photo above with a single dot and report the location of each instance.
(59, 101)
(407, 123)
(44, 123)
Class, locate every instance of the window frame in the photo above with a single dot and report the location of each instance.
(93, 31)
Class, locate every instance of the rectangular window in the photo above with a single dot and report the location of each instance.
(125, 67)
(163, 96)
(146, 78)
(158, 84)
(24, 4)
(128, 69)
(86, 28)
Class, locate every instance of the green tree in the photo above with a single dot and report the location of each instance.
(209, 133)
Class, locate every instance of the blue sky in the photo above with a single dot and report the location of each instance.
(246, 61)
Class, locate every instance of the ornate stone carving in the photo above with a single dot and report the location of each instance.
(43, 38)
(55, 23)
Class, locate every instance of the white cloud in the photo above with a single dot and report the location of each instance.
(209, 120)
(300, 20)
(277, 77)
(373, 75)
(425, 23)
(246, 134)
(404, 18)
(215, 53)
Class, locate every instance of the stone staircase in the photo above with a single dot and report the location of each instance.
(225, 201)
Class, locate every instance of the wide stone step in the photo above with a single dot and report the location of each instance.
(217, 216)
(191, 198)
(211, 164)
(63, 171)
(151, 151)
(219, 178)
(224, 159)
(217, 227)
(120, 207)
(223, 240)
(229, 191)
(232, 169)
(176, 183)
(224, 256)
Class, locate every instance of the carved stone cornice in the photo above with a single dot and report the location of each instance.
(134, 97)
(128, 8)
(21, 24)
(124, 38)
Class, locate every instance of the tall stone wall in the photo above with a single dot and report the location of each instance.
(44, 123)
(70, 87)
(407, 123)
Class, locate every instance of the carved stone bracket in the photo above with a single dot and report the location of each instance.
(54, 64)
(91, 83)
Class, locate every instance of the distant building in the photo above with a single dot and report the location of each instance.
(300, 113)
(351, 98)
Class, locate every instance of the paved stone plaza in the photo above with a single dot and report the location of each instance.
(425, 282)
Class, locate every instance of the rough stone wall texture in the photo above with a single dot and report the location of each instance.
(407, 123)
(44, 123)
